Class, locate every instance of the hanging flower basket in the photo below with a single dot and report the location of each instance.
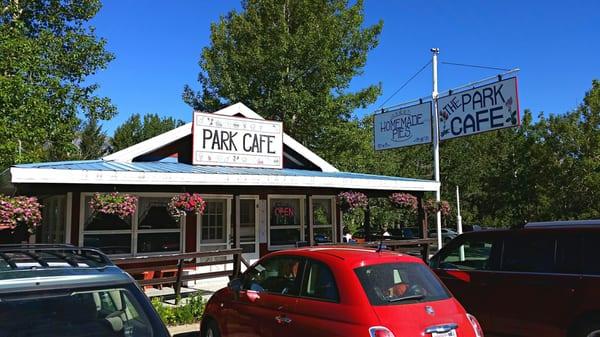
(352, 200)
(405, 201)
(431, 207)
(185, 203)
(119, 204)
(19, 217)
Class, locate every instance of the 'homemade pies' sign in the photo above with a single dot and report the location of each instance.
(234, 141)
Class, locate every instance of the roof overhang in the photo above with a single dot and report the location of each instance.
(24, 175)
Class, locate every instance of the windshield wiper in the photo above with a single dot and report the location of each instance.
(406, 298)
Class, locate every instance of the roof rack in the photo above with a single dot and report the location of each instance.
(47, 256)
(563, 223)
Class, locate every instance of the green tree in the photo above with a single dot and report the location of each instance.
(137, 129)
(290, 61)
(92, 140)
(47, 50)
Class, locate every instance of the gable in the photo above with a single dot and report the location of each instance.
(177, 145)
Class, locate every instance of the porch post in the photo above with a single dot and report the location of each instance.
(423, 226)
(237, 258)
(311, 224)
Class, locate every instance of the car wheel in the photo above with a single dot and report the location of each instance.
(591, 329)
(211, 329)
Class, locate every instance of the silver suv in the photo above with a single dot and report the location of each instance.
(67, 291)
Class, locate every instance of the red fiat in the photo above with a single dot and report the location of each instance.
(337, 291)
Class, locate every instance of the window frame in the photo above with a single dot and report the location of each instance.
(308, 262)
(227, 217)
(301, 272)
(300, 227)
(134, 231)
(495, 258)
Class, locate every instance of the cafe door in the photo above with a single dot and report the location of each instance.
(249, 218)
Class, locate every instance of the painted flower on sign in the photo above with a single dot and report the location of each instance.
(352, 200)
(404, 201)
(119, 204)
(185, 203)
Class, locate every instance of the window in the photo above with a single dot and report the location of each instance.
(286, 220)
(213, 234)
(157, 230)
(322, 213)
(591, 263)
(400, 283)
(107, 232)
(53, 226)
(529, 253)
(319, 283)
(279, 275)
(472, 254)
(96, 313)
(151, 229)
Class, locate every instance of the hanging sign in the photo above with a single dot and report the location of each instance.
(489, 107)
(403, 127)
(234, 141)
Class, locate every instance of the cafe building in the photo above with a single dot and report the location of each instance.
(264, 191)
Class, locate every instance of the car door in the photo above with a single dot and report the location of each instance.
(467, 267)
(535, 290)
(269, 291)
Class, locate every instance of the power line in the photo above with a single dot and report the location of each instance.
(405, 84)
(474, 66)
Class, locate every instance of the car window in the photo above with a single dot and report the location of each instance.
(400, 283)
(529, 253)
(568, 254)
(591, 263)
(319, 282)
(279, 275)
(471, 254)
(90, 313)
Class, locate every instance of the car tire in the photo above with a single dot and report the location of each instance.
(211, 329)
(590, 329)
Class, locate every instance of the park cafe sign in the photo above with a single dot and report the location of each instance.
(234, 141)
(489, 107)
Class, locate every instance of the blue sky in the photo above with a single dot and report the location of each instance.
(157, 46)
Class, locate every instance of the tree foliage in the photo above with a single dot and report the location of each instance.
(290, 61)
(47, 50)
(137, 129)
(92, 140)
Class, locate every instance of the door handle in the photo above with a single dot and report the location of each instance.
(283, 320)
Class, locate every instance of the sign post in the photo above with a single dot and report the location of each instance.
(436, 146)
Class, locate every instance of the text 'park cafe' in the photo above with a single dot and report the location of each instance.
(253, 177)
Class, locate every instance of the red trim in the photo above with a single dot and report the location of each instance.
(190, 233)
(75, 205)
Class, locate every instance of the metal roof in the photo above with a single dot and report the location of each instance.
(175, 173)
(175, 167)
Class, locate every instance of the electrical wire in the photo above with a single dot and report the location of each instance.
(474, 66)
(405, 84)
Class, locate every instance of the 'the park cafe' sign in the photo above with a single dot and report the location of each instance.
(489, 107)
(403, 127)
(486, 108)
(233, 141)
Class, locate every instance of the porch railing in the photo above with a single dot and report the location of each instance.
(177, 262)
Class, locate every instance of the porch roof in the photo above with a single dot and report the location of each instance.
(175, 173)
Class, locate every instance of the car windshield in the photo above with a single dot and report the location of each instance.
(399, 283)
(91, 313)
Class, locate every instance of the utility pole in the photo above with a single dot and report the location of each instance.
(436, 145)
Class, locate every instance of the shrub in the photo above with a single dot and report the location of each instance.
(185, 313)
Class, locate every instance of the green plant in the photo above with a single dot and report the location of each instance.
(187, 312)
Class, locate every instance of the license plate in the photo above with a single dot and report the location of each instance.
(451, 333)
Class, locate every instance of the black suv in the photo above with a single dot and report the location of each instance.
(67, 291)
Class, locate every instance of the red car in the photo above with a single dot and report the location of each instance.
(337, 291)
(542, 280)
